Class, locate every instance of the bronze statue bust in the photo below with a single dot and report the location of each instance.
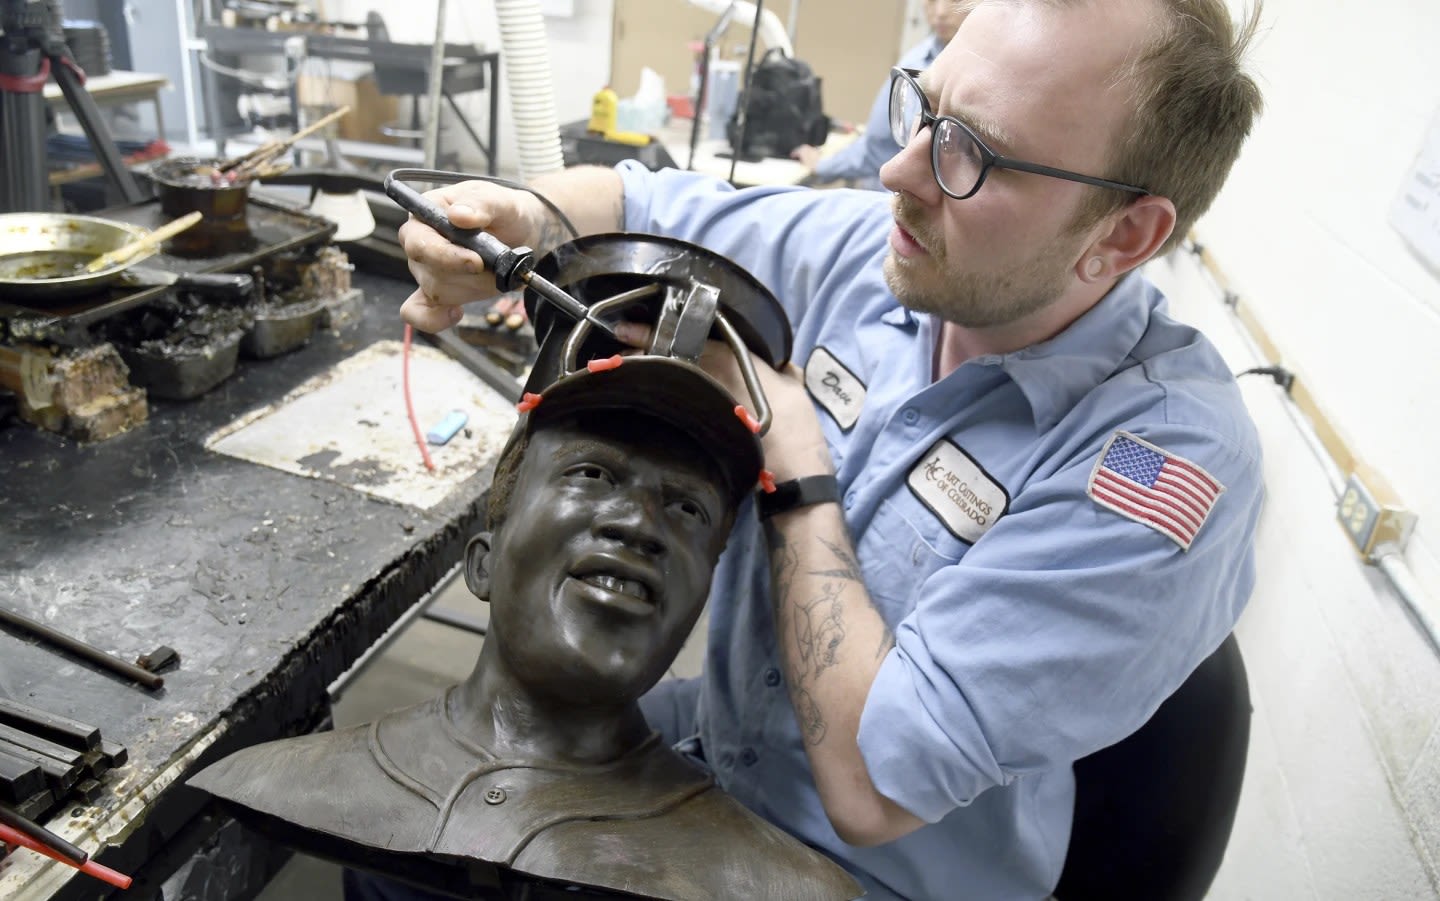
(611, 504)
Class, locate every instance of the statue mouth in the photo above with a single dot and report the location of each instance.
(621, 585)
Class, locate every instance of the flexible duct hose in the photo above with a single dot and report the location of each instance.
(532, 95)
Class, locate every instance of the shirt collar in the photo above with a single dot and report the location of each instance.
(1055, 374)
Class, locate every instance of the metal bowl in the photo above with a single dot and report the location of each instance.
(43, 254)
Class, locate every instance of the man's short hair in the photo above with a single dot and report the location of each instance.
(1194, 106)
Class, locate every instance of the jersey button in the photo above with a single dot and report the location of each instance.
(772, 677)
(748, 757)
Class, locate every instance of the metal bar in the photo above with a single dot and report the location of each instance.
(61, 774)
(19, 778)
(43, 746)
(81, 649)
(455, 620)
(57, 728)
(497, 378)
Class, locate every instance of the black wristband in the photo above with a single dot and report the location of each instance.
(798, 493)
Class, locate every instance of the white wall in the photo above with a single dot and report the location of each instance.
(579, 55)
(1342, 797)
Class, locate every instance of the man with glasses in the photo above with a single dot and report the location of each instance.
(859, 162)
(1017, 500)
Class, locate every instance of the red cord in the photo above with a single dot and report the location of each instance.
(409, 406)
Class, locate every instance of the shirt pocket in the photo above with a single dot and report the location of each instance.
(904, 545)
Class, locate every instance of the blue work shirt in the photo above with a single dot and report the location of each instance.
(862, 158)
(1035, 620)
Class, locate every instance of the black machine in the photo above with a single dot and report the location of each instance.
(33, 50)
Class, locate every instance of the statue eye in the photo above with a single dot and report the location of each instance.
(691, 509)
(590, 471)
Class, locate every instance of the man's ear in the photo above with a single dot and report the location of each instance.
(1135, 235)
(477, 566)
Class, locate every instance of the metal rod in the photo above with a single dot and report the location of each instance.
(431, 141)
(745, 98)
(81, 649)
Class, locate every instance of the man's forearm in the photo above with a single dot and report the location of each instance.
(593, 197)
(832, 641)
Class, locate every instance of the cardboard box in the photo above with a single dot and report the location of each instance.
(340, 84)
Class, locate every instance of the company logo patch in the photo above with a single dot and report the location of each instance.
(958, 491)
(1140, 481)
(834, 387)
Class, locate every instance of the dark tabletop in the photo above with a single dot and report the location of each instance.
(269, 585)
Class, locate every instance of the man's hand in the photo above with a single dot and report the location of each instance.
(449, 276)
(808, 156)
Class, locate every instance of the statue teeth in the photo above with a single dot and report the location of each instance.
(618, 585)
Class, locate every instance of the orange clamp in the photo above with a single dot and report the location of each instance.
(751, 422)
(767, 481)
(606, 364)
(528, 402)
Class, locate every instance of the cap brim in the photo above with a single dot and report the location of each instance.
(671, 391)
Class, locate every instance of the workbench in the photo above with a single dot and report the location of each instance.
(270, 586)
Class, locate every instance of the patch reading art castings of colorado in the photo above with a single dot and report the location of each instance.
(1154, 487)
(834, 387)
(958, 491)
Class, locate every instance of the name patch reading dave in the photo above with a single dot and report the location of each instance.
(835, 387)
(958, 491)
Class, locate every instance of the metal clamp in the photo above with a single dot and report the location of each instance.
(727, 331)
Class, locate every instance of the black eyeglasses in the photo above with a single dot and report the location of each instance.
(959, 159)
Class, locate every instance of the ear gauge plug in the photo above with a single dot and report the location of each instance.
(1094, 266)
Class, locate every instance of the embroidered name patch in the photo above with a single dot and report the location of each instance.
(834, 387)
(956, 489)
(1140, 481)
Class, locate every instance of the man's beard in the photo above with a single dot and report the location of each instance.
(970, 298)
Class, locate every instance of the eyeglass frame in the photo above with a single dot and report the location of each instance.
(989, 158)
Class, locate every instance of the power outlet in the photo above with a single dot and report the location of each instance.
(1372, 518)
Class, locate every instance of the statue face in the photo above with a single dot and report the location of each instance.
(604, 559)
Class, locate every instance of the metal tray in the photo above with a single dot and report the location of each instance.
(274, 227)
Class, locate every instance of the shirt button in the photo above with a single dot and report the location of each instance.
(772, 677)
(748, 757)
(911, 416)
(849, 499)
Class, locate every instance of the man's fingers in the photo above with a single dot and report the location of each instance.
(635, 334)
(427, 315)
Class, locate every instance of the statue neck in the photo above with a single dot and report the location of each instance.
(511, 719)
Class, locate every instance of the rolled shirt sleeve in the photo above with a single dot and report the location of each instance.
(1058, 633)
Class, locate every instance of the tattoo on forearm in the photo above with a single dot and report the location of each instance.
(849, 566)
(815, 625)
(807, 712)
(819, 629)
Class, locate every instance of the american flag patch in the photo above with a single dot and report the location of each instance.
(1142, 482)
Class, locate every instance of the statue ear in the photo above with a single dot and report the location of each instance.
(477, 570)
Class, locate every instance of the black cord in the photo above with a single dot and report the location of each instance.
(451, 178)
(1281, 376)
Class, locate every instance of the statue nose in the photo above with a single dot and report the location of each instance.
(633, 520)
